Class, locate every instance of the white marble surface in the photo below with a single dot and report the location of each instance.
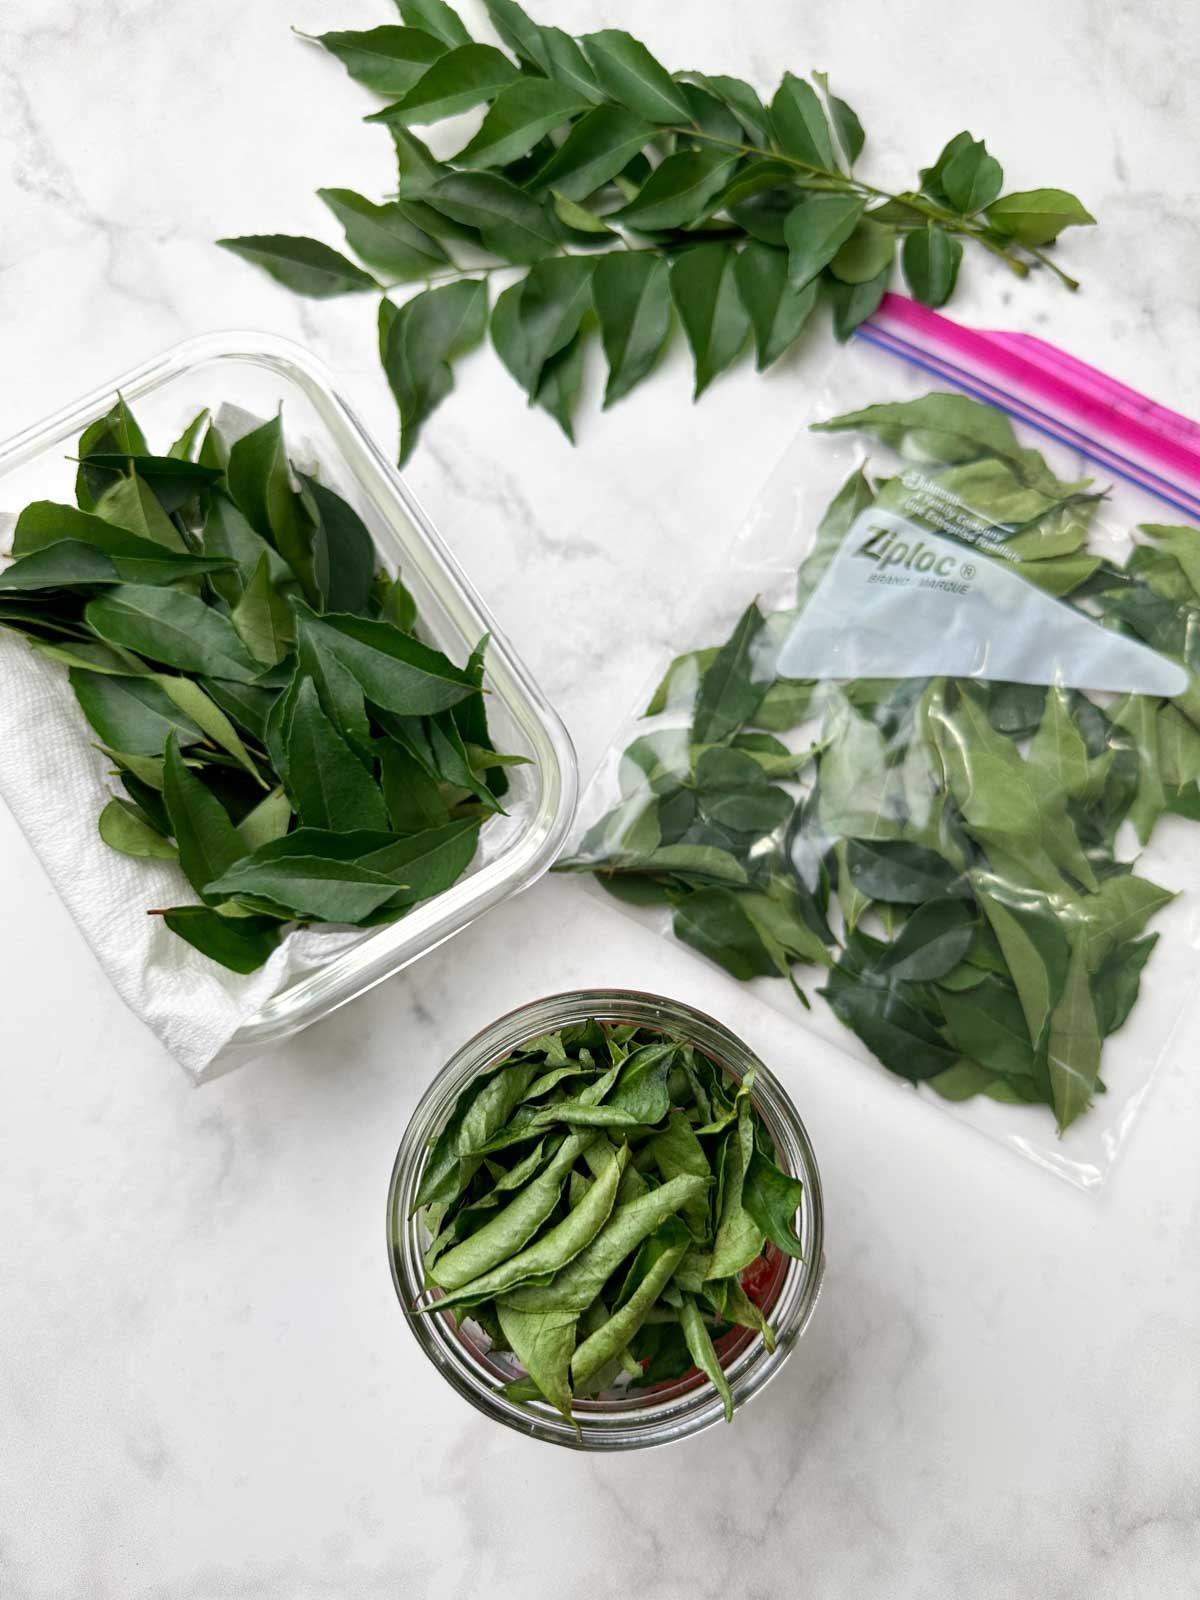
(207, 1391)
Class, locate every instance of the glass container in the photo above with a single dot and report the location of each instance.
(621, 1419)
(259, 374)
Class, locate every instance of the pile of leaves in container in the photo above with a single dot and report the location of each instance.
(276, 725)
(945, 848)
(604, 1202)
(628, 196)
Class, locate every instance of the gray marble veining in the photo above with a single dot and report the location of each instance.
(206, 1389)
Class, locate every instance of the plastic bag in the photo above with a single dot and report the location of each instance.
(926, 761)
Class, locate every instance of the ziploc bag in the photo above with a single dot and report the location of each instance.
(924, 766)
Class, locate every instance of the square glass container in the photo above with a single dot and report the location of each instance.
(259, 373)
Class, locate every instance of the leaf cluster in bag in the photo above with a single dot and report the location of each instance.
(945, 848)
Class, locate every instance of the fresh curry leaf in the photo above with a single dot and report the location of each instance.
(599, 146)
(632, 296)
(176, 629)
(385, 236)
(773, 1198)
(700, 1344)
(241, 944)
(422, 339)
(627, 71)
(1037, 216)
(208, 843)
(728, 694)
(1073, 1045)
(678, 192)
(521, 115)
(457, 81)
(262, 618)
(932, 942)
(931, 258)
(778, 310)
(343, 552)
(260, 480)
(395, 670)
(328, 784)
(388, 59)
(306, 266)
(704, 290)
(134, 714)
(305, 887)
(816, 230)
(1116, 982)
(124, 827)
(799, 123)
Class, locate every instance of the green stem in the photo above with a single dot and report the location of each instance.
(950, 220)
(1014, 263)
(454, 272)
(837, 181)
(619, 241)
(1064, 278)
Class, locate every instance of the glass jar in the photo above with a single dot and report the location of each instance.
(621, 1419)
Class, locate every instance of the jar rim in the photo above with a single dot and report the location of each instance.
(642, 1420)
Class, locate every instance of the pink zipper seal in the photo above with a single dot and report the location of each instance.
(1052, 390)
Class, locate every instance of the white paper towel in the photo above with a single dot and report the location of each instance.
(56, 783)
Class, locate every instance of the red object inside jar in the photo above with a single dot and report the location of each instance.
(761, 1281)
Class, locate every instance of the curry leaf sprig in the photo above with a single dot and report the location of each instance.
(945, 848)
(627, 197)
(608, 1206)
(276, 724)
